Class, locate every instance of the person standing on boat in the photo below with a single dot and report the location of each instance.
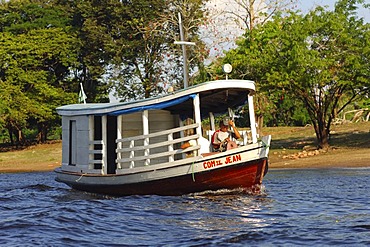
(221, 139)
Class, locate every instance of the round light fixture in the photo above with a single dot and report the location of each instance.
(227, 68)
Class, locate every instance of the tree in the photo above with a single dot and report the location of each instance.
(229, 19)
(99, 25)
(320, 58)
(36, 55)
(249, 13)
(48, 48)
(148, 60)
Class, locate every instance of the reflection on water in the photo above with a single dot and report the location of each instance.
(295, 207)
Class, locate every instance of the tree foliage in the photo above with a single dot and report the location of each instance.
(148, 60)
(320, 58)
(35, 58)
(49, 48)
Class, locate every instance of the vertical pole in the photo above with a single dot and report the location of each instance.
(104, 135)
(182, 134)
(212, 121)
(197, 117)
(182, 38)
(119, 144)
(145, 120)
(252, 118)
(171, 158)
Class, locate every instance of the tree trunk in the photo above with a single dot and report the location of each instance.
(20, 136)
(11, 136)
(322, 135)
(43, 131)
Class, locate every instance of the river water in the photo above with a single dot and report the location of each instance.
(303, 207)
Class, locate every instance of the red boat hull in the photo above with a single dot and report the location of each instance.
(246, 176)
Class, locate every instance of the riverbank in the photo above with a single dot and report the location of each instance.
(295, 147)
(41, 157)
(291, 147)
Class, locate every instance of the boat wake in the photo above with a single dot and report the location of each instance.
(258, 190)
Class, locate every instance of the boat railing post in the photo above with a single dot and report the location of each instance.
(171, 158)
(145, 120)
(252, 118)
(104, 148)
(132, 154)
(197, 118)
(182, 134)
(119, 144)
(212, 121)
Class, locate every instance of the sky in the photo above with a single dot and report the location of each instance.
(307, 5)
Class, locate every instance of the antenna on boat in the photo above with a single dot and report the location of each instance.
(227, 68)
(183, 43)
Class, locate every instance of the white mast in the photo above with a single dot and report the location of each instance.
(183, 43)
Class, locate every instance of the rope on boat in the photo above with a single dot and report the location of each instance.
(192, 168)
(265, 144)
(80, 177)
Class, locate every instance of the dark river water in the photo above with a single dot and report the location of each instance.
(317, 207)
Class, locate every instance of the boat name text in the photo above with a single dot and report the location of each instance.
(219, 162)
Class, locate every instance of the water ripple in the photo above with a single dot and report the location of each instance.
(296, 207)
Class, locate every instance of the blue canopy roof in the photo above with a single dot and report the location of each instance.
(158, 106)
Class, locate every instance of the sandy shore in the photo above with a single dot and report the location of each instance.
(346, 157)
(39, 158)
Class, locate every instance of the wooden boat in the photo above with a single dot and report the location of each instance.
(135, 148)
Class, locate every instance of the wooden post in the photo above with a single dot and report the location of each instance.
(145, 120)
(132, 154)
(197, 117)
(212, 121)
(171, 158)
(119, 136)
(252, 119)
(182, 134)
(104, 139)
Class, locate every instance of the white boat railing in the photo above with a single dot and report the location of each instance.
(154, 148)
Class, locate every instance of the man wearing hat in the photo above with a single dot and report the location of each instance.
(221, 140)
